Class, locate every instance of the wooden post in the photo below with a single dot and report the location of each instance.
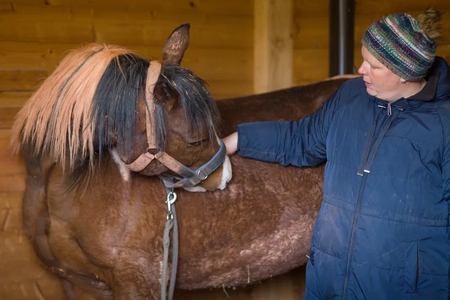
(273, 46)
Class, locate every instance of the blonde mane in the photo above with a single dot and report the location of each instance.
(58, 119)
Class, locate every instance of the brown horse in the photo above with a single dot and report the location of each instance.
(104, 112)
(103, 231)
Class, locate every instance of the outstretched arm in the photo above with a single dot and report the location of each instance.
(301, 143)
(231, 143)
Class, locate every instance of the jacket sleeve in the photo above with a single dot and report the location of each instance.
(301, 143)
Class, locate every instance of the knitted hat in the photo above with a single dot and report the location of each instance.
(399, 44)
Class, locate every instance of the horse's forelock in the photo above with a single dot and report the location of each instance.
(199, 106)
(116, 101)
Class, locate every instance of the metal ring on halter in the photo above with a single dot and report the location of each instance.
(153, 150)
(201, 175)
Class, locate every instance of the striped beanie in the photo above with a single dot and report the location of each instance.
(399, 44)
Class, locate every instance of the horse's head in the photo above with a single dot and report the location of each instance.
(181, 117)
(159, 118)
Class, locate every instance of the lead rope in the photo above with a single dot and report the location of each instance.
(171, 223)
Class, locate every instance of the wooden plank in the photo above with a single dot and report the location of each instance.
(229, 88)
(12, 183)
(6, 8)
(17, 247)
(12, 173)
(43, 31)
(220, 64)
(13, 220)
(33, 2)
(11, 200)
(11, 166)
(378, 8)
(21, 61)
(399, 6)
(232, 62)
(37, 13)
(230, 7)
(33, 55)
(211, 31)
(29, 290)
(381, 8)
(308, 8)
(7, 115)
(4, 140)
(44, 48)
(273, 46)
(4, 203)
(3, 217)
(310, 65)
(311, 32)
(14, 99)
(18, 80)
(444, 51)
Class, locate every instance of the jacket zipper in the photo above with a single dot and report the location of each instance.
(357, 214)
(353, 233)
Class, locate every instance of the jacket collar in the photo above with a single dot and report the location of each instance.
(428, 92)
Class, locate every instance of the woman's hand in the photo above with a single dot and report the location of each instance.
(231, 143)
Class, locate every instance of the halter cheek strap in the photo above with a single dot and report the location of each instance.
(191, 177)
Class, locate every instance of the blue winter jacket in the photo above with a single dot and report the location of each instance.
(383, 228)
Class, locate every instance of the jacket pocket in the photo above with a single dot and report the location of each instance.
(411, 267)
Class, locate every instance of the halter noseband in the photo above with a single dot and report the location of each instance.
(190, 177)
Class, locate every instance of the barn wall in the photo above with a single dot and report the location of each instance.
(35, 34)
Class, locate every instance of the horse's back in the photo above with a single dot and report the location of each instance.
(281, 105)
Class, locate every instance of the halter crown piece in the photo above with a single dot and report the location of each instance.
(190, 177)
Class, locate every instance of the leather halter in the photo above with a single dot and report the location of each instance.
(190, 177)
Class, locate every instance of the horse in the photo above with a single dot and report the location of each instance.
(102, 231)
(106, 111)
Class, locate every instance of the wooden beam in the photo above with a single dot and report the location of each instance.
(273, 46)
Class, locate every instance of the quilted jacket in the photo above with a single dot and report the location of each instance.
(383, 228)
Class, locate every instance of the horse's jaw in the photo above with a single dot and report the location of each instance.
(226, 177)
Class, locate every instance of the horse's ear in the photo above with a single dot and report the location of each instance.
(176, 45)
(165, 96)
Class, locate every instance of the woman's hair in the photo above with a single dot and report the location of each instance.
(430, 23)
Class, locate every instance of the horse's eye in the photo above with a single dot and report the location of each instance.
(197, 143)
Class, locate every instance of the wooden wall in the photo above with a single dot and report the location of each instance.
(311, 37)
(35, 34)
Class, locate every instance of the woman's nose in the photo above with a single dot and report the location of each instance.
(362, 70)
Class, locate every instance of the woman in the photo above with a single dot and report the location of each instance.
(383, 229)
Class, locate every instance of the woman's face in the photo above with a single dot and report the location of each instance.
(380, 81)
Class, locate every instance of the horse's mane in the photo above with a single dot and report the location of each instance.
(95, 91)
